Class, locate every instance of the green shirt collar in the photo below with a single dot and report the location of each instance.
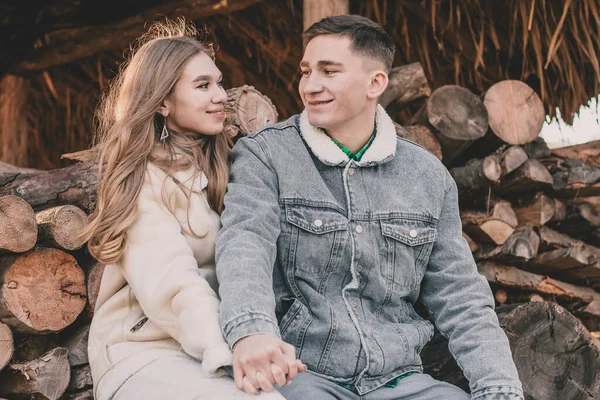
(349, 153)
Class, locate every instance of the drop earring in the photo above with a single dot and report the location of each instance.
(165, 132)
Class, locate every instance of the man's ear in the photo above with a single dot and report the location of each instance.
(378, 83)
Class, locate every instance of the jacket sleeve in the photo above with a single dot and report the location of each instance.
(163, 274)
(462, 304)
(246, 246)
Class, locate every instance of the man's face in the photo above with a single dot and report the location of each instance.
(334, 83)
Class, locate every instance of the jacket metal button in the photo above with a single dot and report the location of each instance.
(318, 222)
(359, 229)
(413, 233)
(351, 171)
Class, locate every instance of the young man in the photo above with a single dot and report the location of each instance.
(333, 228)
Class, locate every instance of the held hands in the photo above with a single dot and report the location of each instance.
(260, 361)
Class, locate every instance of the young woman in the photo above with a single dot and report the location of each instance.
(155, 332)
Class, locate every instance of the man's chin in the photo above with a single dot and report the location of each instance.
(318, 121)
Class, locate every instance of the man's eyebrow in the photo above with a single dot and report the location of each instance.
(322, 63)
(205, 78)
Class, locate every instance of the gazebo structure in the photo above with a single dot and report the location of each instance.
(56, 58)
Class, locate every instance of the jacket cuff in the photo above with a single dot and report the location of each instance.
(249, 324)
(498, 393)
(215, 358)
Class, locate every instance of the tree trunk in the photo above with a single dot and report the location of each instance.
(9, 172)
(477, 174)
(60, 226)
(407, 84)
(6, 345)
(18, 228)
(422, 136)
(75, 184)
(520, 247)
(314, 10)
(248, 110)
(44, 378)
(530, 177)
(457, 116)
(43, 291)
(494, 228)
(516, 115)
(587, 152)
(554, 353)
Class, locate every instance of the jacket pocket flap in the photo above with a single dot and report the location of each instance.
(408, 233)
(315, 220)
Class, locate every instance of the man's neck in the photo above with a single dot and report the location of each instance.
(355, 134)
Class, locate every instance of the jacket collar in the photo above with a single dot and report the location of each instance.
(381, 150)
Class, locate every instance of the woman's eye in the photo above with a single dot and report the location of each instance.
(202, 86)
(220, 83)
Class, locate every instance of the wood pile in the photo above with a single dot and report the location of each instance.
(531, 217)
(49, 281)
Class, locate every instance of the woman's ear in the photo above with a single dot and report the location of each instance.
(378, 84)
(163, 110)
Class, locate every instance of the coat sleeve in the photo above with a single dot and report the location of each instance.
(162, 271)
(462, 304)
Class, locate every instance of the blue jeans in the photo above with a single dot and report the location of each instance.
(414, 387)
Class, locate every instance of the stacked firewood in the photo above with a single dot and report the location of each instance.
(529, 215)
(49, 281)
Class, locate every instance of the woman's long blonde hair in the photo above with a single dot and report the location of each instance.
(128, 134)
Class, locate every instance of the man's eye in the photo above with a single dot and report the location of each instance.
(329, 71)
(304, 73)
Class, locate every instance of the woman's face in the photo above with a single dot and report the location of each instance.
(196, 104)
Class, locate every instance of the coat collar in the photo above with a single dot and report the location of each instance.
(381, 150)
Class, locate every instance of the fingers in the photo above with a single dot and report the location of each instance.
(238, 376)
(279, 375)
(248, 387)
(264, 384)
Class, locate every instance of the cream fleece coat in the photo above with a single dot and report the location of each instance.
(162, 295)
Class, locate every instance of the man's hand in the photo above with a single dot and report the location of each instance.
(260, 361)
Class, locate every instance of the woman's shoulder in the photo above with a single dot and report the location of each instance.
(159, 185)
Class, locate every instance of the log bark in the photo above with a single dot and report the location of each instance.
(422, 136)
(314, 10)
(539, 210)
(407, 83)
(587, 152)
(81, 379)
(77, 346)
(75, 184)
(535, 330)
(60, 226)
(520, 247)
(477, 174)
(9, 172)
(30, 347)
(72, 44)
(93, 278)
(18, 228)
(457, 116)
(6, 345)
(582, 221)
(42, 291)
(85, 395)
(247, 110)
(516, 115)
(537, 149)
(573, 178)
(532, 176)
(44, 378)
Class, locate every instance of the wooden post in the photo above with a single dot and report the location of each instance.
(315, 10)
(13, 119)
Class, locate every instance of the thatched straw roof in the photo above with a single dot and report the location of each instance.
(66, 57)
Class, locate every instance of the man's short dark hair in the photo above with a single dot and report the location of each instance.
(366, 37)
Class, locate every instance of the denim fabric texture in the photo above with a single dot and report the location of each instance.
(331, 254)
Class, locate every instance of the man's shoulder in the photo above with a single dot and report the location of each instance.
(418, 155)
(290, 125)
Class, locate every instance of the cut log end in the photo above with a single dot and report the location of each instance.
(248, 110)
(44, 289)
(422, 136)
(18, 228)
(6, 345)
(60, 226)
(516, 113)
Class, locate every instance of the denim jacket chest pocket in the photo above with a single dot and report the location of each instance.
(408, 244)
(316, 236)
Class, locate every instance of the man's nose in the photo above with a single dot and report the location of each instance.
(312, 84)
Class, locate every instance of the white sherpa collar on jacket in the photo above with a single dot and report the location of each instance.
(382, 148)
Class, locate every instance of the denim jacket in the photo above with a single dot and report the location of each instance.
(331, 254)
